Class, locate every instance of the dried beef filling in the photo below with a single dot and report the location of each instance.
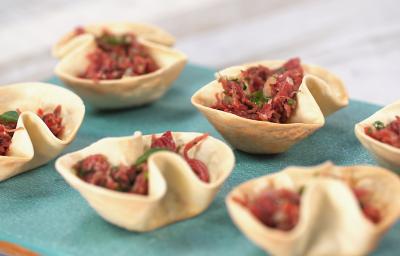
(53, 120)
(275, 208)
(364, 200)
(280, 208)
(79, 31)
(389, 134)
(262, 94)
(95, 169)
(8, 124)
(117, 56)
(363, 197)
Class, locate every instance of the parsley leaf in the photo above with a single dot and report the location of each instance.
(379, 125)
(244, 84)
(9, 117)
(301, 190)
(113, 40)
(239, 81)
(280, 70)
(259, 98)
(291, 102)
(143, 158)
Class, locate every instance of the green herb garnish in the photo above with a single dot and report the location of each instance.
(238, 81)
(280, 70)
(259, 98)
(234, 79)
(244, 84)
(113, 40)
(379, 125)
(301, 190)
(143, 158)
(291, 102)
(146, 175)
(9, 117)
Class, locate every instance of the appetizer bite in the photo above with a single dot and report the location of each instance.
(118, 56)
(259, 93)
(388, 134)
(142, 183)
(267, 107)
(380, 135)
(8, 125)
(298, 210)
(279, 208)
(38, 121)
(118, 64)
(97, 170)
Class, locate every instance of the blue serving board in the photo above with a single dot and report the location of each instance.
(40, 211)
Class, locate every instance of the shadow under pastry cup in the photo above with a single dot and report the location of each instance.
(320, 94)
(127, 91)
(175, 192)
(328, 209)
(386, 155)
(33, 144)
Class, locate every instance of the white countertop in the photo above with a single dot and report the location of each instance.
(358, 40)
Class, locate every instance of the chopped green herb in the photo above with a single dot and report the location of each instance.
(82, 172)
(379, 125)
(291, 102)
(143, 158)
(280, 70)
(259, 98)
(113, 40)
(9, 117)
(244, 84)
(301, 190)
(238, 81)
(234, 79)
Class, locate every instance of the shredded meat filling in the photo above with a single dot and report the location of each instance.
(117, 56)
(262, 94)
(97, 170)
(8, 124)
(389, 134)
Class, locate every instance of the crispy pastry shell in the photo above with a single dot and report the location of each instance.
(321, 93)
(175, 192)
(386, 155)
(129, 90)
(33, 144)
(331, 221)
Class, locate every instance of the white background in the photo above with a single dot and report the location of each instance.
(358, 40)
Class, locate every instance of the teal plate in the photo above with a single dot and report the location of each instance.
(41, 212)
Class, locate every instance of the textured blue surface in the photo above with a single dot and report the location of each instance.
(40, 211)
